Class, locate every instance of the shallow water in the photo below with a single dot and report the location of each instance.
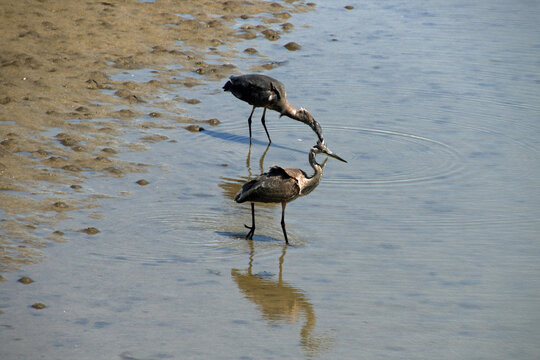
(424, 246)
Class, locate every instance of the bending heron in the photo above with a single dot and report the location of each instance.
(280, 185)
(268, 93)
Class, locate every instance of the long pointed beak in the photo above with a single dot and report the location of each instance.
(328, 152)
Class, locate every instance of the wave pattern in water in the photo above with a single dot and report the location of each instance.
(392, 158)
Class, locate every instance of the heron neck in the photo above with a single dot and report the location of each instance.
(289, 110)
(313, 181)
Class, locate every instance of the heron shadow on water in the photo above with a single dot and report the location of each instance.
(227, 136)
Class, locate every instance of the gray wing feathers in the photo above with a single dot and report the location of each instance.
(256, 90)
(272, 187)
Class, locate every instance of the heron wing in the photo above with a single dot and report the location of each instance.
(271, 187)
(257, 90)
(295, 173)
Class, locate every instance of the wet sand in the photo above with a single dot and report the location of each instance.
(61, 111)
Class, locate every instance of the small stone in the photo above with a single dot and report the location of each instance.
(292, 46)
(251, 51)
(76, 187)
(68, 141)
(154, 114)
(287, 26)
(113, 170)
(39, 306)
(270, 34)
(58, 233)
(90, 231)
(349, 7)
(25, 280)
(194, 128)
(142, 182)
(60, 205)
(283, 15)
(213, 122)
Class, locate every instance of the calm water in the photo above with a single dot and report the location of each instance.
(425, 246)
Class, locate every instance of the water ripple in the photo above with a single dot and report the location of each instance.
(388, 155)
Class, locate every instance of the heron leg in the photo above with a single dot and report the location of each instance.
(264, 125)
(283, 204)
(249, 124)
(251, 228)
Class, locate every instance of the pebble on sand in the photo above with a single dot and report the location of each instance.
(59, 205)
(194, 128)
(25, 280)
(270, 34)
(251, 51)
(292, 46)
(90, 230)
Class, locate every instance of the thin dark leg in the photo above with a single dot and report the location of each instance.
(283, 204)
(264, 124)
(251, 228)
(249, 124)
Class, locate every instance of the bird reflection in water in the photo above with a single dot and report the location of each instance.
(278, 301)
(231, 186)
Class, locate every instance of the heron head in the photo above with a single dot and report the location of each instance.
(321, 148)
(304, 116)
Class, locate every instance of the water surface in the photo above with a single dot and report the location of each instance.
(424, 246)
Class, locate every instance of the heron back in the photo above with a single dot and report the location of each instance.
(274, 186)
(257, 90)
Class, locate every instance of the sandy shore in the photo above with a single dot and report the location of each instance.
(56, 122)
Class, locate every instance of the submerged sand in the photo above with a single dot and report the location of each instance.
(61, 113)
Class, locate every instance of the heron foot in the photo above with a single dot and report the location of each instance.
(249, 235)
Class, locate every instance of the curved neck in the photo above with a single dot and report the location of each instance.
(312, 182)
(291, 112)
(288, 110)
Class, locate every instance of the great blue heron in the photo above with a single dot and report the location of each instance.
(268, 93)
(280, 185)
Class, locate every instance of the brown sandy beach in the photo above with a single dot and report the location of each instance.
(57, 58)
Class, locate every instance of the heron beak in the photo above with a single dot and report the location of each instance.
(328, 152)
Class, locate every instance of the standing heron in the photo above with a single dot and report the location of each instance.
(268, 93)
(280, 185)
